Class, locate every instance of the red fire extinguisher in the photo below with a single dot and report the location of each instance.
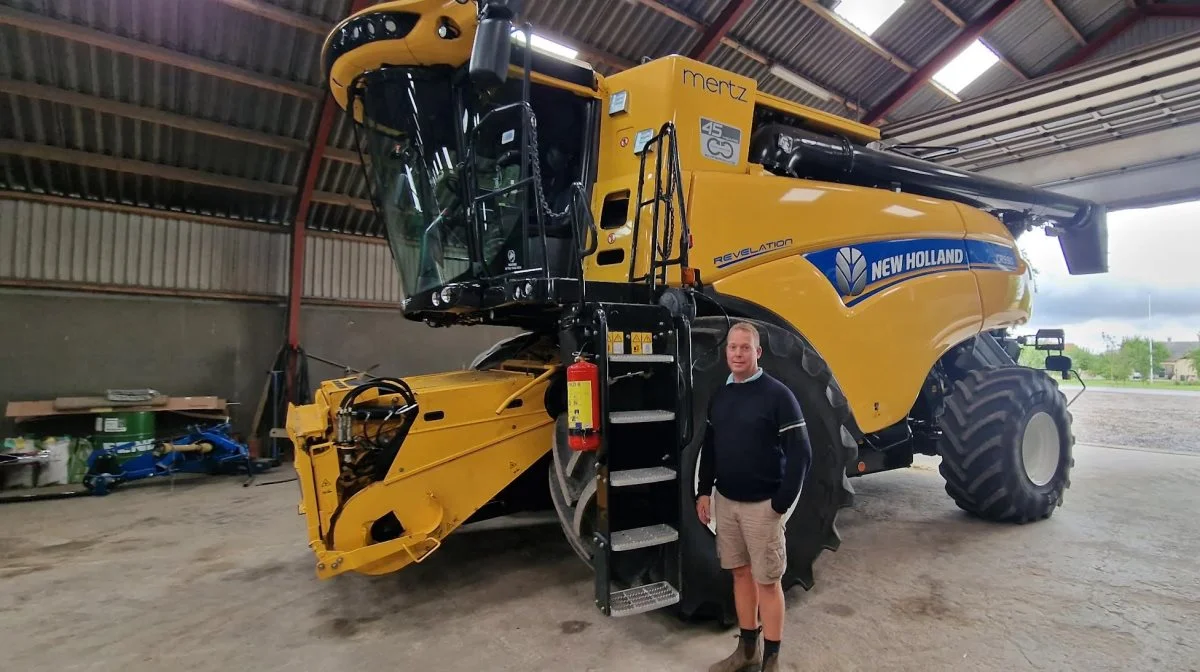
(583, 405)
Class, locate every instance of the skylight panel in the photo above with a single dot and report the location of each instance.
(867, 15)
(966, 67)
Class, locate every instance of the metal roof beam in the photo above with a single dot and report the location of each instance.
(1066, 22)
(342, 155)
(150, 52)
(737, 46)
(712, 35)
(1053, 100)
(948, 13)
(1122, 24)
(1146, 148)
(1180, 11)
(669, 11)
(300, 224)
(170, 119)
(961, 23)
(331, 198)
(869, 42)
(104, 162)
(278, 14)
(968, 35)
(861, 37)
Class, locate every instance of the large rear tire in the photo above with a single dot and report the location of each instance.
(1006, 444)
(810, 527)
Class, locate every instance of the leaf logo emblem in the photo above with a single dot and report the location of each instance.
(851, 271)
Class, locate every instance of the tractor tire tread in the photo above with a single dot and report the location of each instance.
(982, 427)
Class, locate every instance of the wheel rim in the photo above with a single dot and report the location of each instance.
(572, 494)
(1040, 448)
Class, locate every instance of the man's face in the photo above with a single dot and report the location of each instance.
(741, 354)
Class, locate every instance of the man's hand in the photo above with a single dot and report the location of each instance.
(703, 510)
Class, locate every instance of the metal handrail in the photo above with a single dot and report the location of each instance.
(660, 252)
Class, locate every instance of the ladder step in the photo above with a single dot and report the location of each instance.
(641, 358)
(642, 599)
(631, 417)
(641, 537)
(627, 477)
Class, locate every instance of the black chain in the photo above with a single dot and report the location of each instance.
(543, 204)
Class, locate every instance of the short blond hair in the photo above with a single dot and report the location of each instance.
(748, 328)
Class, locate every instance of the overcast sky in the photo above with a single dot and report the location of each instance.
(1153, 254)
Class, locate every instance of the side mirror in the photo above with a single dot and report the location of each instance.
(1059, 363)
(492, 49)
(491, 52)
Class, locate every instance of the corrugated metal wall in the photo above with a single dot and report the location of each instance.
(338, 268)
(60, 245)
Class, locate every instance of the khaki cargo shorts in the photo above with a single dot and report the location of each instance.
(750, 533)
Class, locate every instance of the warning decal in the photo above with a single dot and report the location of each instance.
(720, 142)
(641, 343)
(579, 405)
(616, 342)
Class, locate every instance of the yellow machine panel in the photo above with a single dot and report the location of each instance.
(470, 440)
(419, 46)
(713, 114)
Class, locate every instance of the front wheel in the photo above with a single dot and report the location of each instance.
(1006, 444)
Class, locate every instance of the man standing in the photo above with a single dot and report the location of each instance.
(756, 449)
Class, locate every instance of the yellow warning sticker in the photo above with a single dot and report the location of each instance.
(641, 343)
(579, 405)
(616, 342)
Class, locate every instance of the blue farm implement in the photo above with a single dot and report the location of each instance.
(208, 450)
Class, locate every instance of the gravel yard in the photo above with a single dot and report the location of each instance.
(1152, 419)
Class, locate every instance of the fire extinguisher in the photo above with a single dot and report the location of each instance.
(583, 405)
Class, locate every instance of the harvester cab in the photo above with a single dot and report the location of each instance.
(477, 173)
(622, 223)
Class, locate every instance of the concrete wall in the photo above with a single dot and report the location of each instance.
(58, 343)
(95, 301)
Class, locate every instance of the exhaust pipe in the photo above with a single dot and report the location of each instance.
(1080, 225)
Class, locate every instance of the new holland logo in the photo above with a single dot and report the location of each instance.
(851, 271)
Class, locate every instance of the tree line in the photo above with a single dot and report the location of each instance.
(1118, 362)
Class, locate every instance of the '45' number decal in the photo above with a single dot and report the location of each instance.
(719, 142)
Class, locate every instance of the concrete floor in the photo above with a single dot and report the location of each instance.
(212, 576)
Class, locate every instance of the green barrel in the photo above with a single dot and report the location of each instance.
(118, 428)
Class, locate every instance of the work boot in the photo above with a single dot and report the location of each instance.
(742, 660)
(772, 664)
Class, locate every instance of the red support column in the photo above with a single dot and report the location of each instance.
(299, 225)
(969, 34)
(713, 35)
(1183, 11)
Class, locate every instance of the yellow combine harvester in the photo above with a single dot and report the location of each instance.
(621, 223)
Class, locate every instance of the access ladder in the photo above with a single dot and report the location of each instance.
(644, 361)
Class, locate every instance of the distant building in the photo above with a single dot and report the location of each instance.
(1179, 365)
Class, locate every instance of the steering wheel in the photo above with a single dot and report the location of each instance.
(510, 158)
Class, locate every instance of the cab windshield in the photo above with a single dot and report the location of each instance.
(414, 143)
(447, 169)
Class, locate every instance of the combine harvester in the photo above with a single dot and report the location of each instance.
(621, 223)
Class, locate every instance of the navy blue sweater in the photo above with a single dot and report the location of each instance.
(756, 444)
